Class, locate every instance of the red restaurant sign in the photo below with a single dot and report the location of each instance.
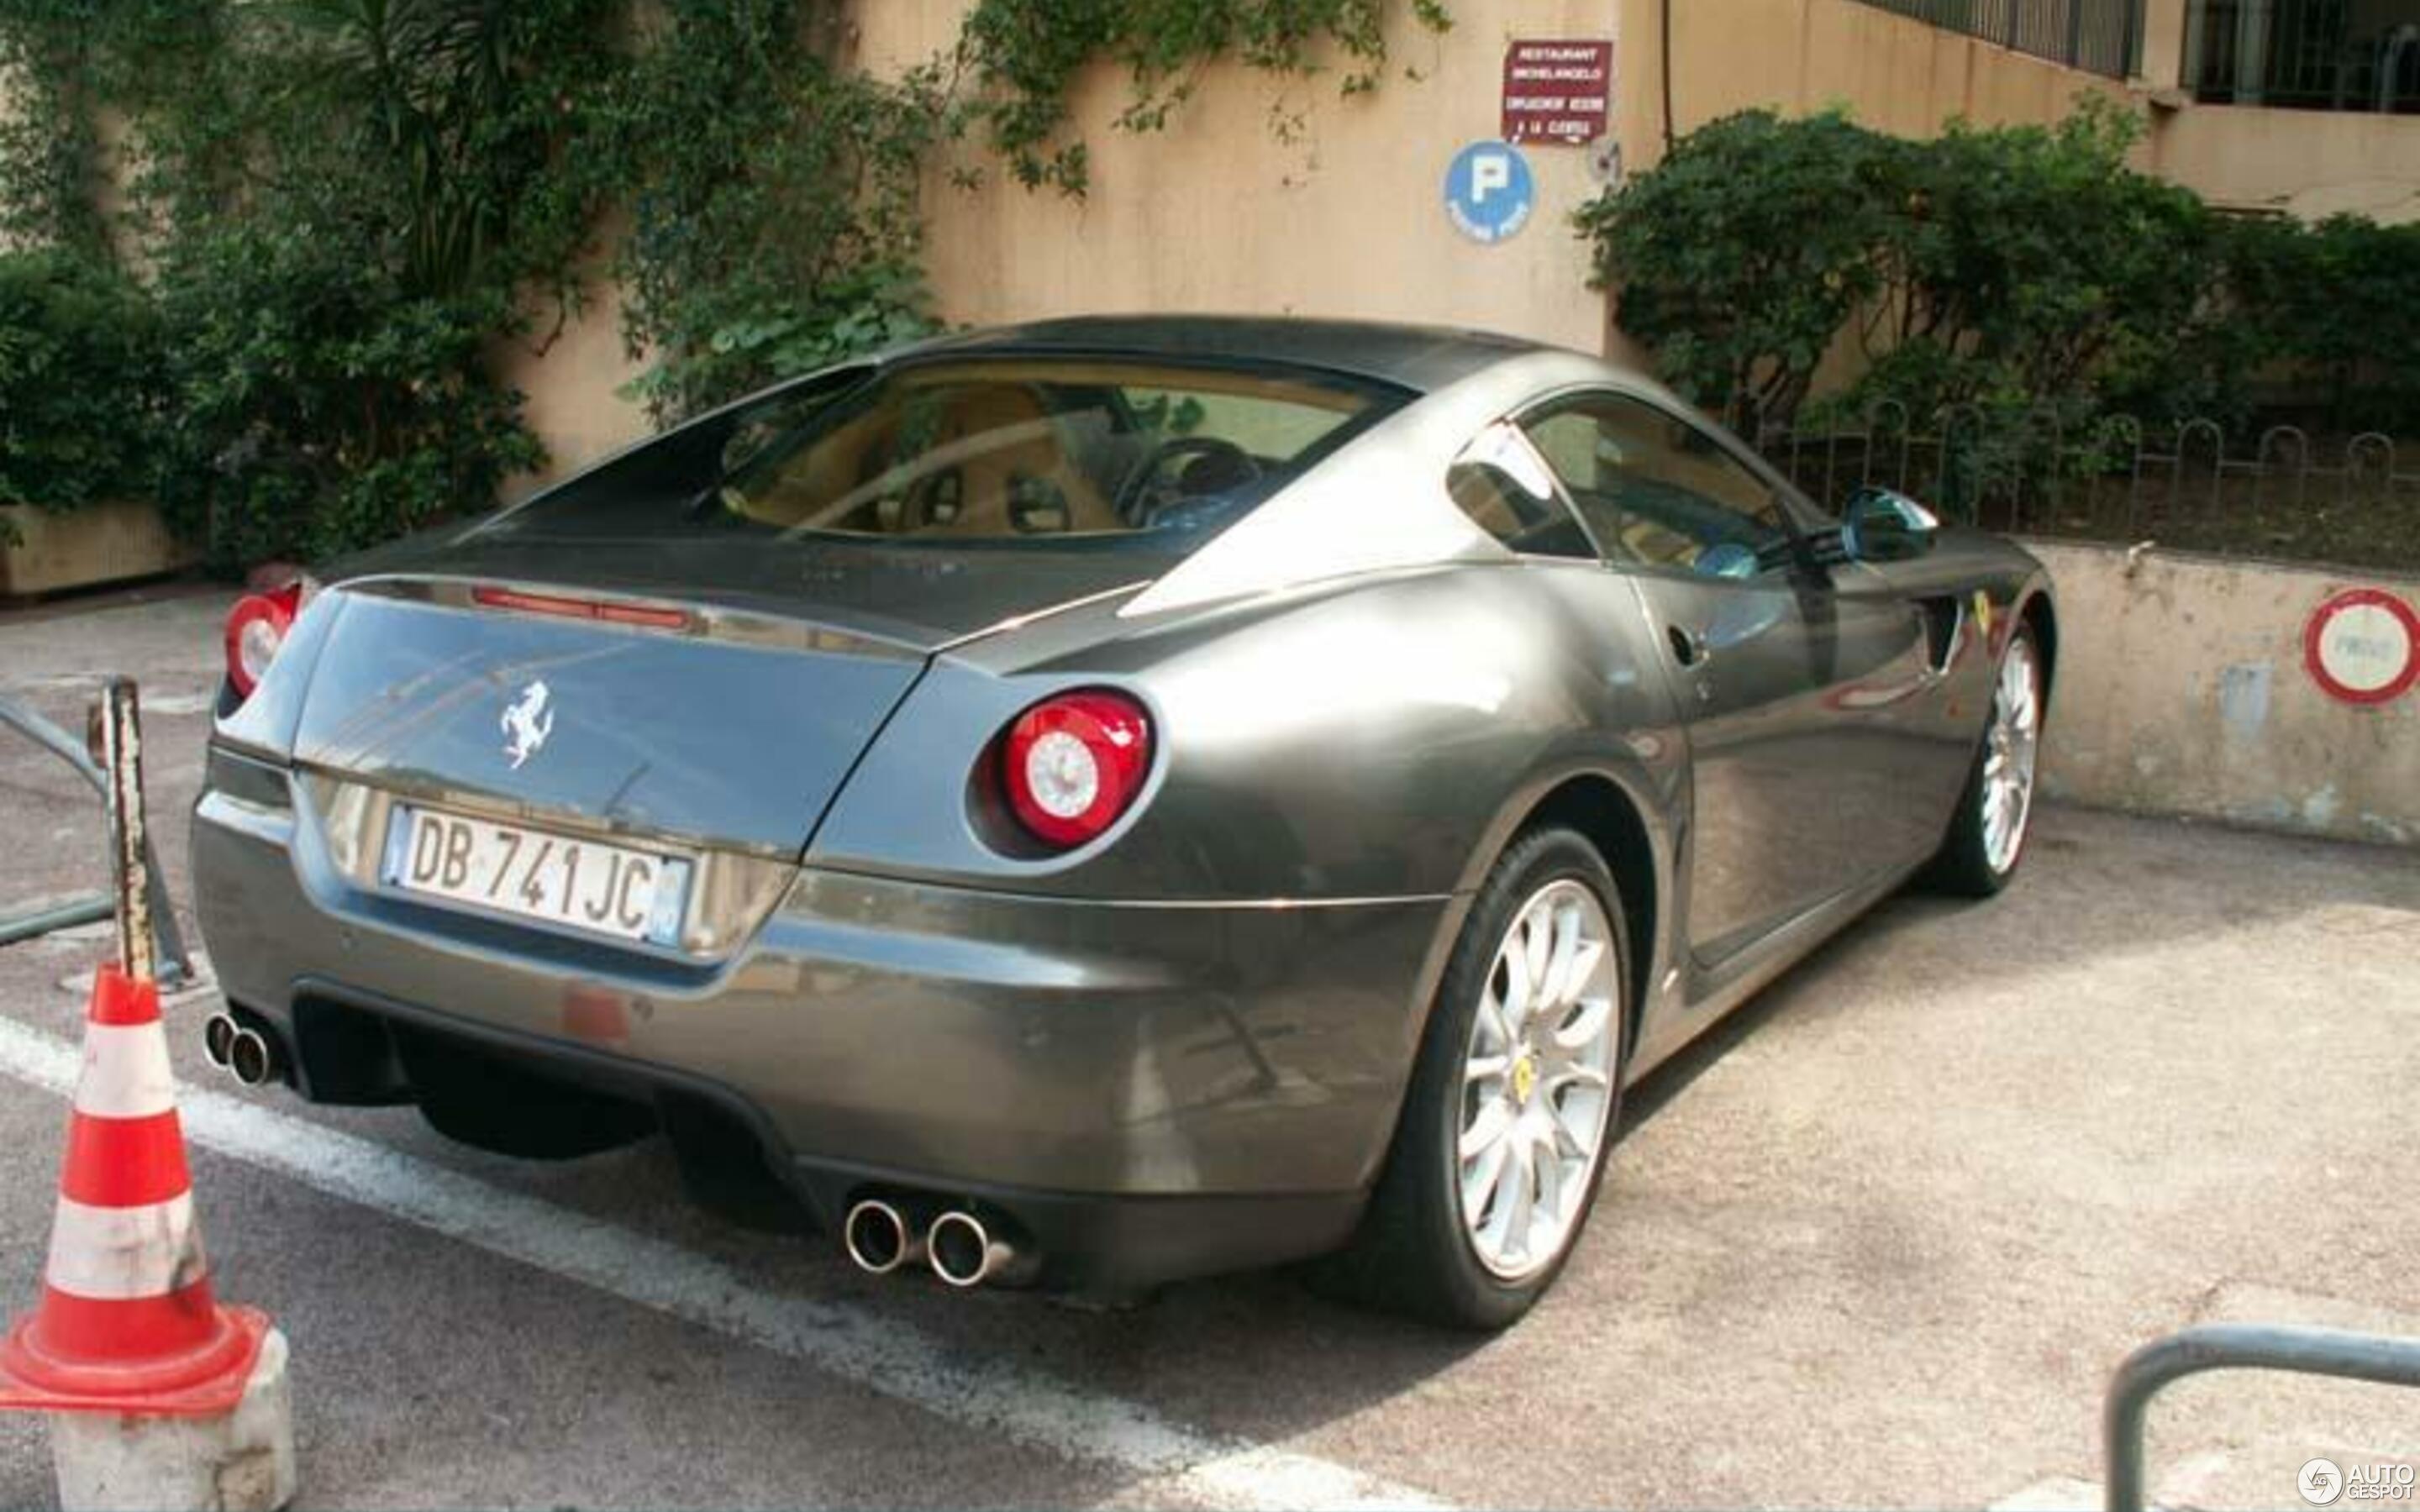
(1559, 94)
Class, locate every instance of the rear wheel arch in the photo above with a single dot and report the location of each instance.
(1609, 815)
(1416, 1250)
(1605, 815)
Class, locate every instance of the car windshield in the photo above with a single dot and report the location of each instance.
(973, 451)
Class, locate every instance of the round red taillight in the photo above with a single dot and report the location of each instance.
(256, 629)
(1072, 765)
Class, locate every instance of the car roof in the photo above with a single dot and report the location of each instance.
(1421, 358)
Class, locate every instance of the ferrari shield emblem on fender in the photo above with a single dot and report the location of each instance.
(528, 721)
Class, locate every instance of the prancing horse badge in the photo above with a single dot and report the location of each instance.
(529, 721)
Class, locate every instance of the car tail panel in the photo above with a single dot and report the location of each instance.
(647, 719)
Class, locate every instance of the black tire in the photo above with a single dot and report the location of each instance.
(1412, 1254)
(1962, 867)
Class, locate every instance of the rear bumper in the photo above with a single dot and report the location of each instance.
(1150, 1090)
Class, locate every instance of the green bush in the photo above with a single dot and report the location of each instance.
(320, 407)
(2334, 308)
(1744, 253)
(340, 207)
(2033, 266)
(79, 406)
(2026, 274)
(772, 203)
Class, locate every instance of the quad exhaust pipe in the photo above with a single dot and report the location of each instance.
(966, 1252)
(883, 1235)
(880, 1239)
(242, 1052)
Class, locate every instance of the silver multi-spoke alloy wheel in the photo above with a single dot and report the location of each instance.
(2014, 740)
(1538, 1080)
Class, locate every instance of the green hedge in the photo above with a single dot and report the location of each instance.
(323, 406)
(2011, 269)
(80, 399)
(2337, 306)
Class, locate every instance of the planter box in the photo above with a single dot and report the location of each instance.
(101, 543)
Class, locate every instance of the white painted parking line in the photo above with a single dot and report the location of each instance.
(880, 1354)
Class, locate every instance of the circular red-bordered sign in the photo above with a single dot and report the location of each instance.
(2362, 646)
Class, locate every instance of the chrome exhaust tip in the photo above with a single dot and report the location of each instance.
(251, 1057)
(965, 1252)
(878, 1238)
(218, 1039)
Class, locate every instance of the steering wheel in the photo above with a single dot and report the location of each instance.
(1142, 492)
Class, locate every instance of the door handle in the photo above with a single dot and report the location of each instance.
(1689, 647)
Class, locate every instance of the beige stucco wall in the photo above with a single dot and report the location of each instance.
(1270, 194)
(571, 374)
(1341, 213)
(2305, 162)
(2182, 689)
(1263, 194)
(1893, 73)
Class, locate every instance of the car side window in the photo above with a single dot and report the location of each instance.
(1658, 492)
(1499, 482)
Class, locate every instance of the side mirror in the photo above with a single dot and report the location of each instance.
(1884, 525)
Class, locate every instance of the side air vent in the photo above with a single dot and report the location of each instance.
(1942, 617)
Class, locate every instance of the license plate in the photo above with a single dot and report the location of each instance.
(582, 883)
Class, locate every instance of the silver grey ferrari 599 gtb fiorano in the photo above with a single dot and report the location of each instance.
(1112, 800)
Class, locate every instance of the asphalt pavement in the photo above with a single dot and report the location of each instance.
(1877, 1240)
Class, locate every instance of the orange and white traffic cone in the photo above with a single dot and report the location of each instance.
(161, 1397)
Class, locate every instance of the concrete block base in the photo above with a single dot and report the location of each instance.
(108, 542)
(241, 1463)
(2183, 687)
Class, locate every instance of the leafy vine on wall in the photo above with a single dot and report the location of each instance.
(1026, 54)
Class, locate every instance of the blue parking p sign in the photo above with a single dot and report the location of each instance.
(1489, 192)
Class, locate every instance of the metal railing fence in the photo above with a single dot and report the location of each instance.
(2319, 1351)
(2103, 37)
(2282, 492)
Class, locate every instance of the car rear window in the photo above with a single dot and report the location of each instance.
(970, 452)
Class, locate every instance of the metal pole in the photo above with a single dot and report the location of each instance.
(121, 759)
(174, 965)
(2319, 1352)
(91, 910)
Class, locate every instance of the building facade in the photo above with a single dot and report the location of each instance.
(1277, 194)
